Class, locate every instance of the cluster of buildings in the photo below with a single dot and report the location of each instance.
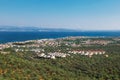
(99, 42)
(38, 47)
(52, 55)
(89, 53)
(3, 46)
(47, 42)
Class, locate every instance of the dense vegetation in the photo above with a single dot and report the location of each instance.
(22, 66)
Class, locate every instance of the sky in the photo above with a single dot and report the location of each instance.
(72, 14)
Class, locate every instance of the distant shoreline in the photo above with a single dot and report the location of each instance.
(6, 37)
(62, 38)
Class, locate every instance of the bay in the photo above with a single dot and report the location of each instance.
(23, 36)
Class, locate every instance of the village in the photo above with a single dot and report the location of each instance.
(53, 48)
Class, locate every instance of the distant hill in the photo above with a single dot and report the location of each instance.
(33, 29)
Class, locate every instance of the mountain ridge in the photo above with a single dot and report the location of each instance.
(34, 29)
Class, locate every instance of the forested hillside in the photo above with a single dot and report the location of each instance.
(20, 66)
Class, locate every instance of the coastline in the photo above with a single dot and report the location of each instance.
(60, 38)
(6, 37)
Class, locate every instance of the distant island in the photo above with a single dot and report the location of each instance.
(41, 29)
(33, 29)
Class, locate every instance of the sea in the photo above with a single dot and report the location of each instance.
(6, 37)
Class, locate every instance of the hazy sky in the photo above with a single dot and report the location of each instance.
(74, 14)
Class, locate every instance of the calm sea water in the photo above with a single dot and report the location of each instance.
(22, 36)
